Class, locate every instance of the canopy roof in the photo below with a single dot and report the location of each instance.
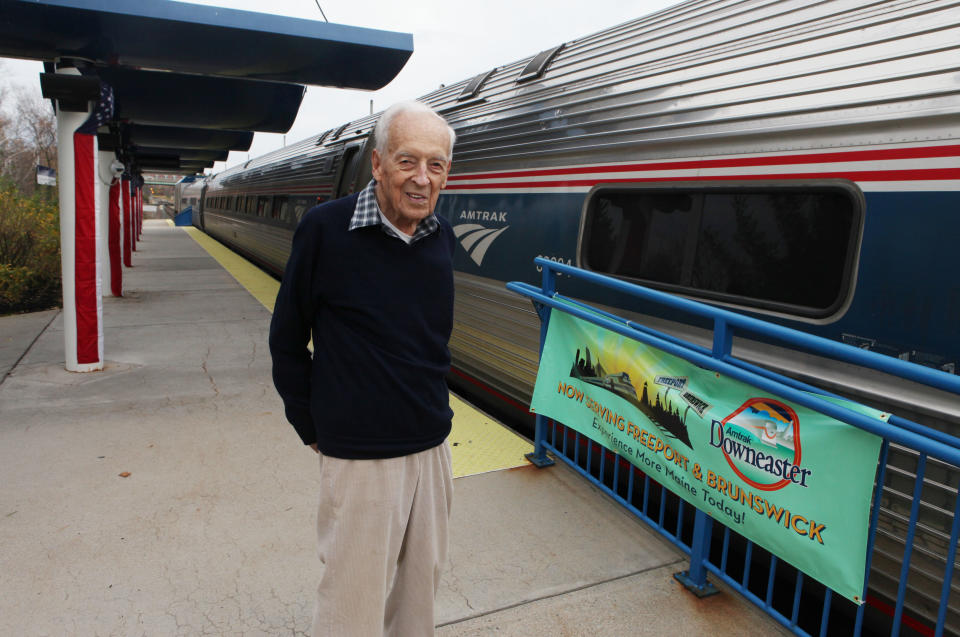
(188, 66)
(190, 38)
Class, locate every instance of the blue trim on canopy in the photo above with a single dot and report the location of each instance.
(204, 40)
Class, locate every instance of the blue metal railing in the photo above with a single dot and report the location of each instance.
(717, 549)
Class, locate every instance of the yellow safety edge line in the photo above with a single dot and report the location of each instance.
(261, 285)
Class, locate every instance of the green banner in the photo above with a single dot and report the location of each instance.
(792, 480)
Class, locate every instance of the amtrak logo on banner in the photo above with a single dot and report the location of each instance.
(761, 442)
(476, 238)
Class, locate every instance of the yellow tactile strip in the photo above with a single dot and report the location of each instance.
(261, 285)
(478, 443)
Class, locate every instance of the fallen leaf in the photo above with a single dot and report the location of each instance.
(125, 474)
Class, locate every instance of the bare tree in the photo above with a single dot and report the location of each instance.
(7, 135)
(28, 137)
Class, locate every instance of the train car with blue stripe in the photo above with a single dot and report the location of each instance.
(796, 161)
(188, 193)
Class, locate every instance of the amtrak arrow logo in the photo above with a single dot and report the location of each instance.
(476, 239)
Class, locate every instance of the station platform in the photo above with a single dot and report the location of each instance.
(167, 495)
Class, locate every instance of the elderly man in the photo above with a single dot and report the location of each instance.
(370, 277)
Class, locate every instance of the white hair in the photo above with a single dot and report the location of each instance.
(381, 132)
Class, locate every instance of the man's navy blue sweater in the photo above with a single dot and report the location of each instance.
(380, 313)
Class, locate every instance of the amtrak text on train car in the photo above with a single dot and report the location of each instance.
(484, 215)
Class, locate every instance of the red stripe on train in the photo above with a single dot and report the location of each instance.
(907, 620)
(926, 152)
(930, 174)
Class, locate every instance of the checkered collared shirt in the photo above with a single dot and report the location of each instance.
(367, 213)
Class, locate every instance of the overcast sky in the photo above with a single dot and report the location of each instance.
(452, 40)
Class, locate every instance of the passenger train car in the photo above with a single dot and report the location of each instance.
(188, 192)
(798, 161)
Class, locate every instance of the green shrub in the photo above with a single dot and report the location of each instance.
(29, 252)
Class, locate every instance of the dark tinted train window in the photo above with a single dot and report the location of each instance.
(263, 206)
(787, 248)
(280, 206)
(301, 205)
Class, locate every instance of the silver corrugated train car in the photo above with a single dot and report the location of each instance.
(188, 193)
(797, 161)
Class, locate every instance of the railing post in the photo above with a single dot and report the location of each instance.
(695, 579)
(722, 338)
(539, 456)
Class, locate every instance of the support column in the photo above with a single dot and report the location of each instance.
(127, 219)
(79, 241)
(139, 207)
(115, 238)
(106, 231)
(134, 221)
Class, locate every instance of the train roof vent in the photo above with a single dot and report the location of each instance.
(473, 86)
(340, 131)
(538, 65)
(326, 133)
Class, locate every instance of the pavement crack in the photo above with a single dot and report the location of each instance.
(213, 383)
(560, 593)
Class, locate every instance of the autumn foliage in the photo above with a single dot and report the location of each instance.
(29, 252)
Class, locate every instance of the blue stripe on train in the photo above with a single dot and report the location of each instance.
(906, 301)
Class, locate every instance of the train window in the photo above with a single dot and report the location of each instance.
(778, 247)
(251, 205)
(263, 206)
(301, 205)
(279, 207)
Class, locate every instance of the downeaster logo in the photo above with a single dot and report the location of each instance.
(761, 442)
(477, 239)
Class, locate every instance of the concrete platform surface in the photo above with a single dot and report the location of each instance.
(167, 495)
(17, 333)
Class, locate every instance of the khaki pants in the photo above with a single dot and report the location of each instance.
(382, 540)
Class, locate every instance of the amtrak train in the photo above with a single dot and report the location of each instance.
(796, 161)
(188, 193)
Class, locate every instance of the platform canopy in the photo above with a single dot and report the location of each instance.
(175, 64)
(174, 148)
